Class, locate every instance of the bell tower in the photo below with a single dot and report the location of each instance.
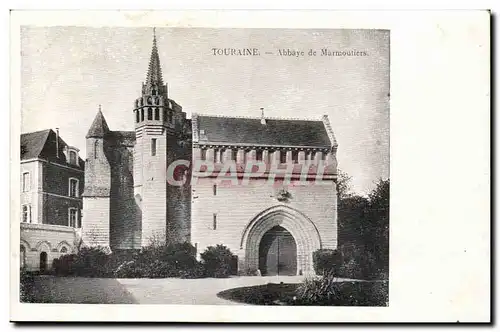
(151, 116)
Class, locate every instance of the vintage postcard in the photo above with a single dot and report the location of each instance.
(192, 159)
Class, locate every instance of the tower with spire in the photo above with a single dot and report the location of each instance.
(159, 122)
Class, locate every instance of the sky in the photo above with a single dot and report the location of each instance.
(67, 72)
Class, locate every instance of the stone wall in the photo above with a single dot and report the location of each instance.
(235, 206)
(52, 239)
(95, 221)
(178, 197)
(125, 226)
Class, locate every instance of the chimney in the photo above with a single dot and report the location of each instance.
(262, 119)
(57, 142)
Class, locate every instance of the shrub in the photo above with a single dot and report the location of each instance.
(326, 260)
(88, 262)
(357, 263)
(326, 290)
(160, 269)
(129, 269)
(63, 266)
(194, 272)
(218, 261)
(26, 282)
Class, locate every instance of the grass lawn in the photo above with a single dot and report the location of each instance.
(350, 293)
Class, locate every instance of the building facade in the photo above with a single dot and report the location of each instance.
(273, 219)
(52, 179)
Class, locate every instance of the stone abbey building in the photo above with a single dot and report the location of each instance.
(273, 226)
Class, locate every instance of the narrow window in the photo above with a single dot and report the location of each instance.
(323, 155)
(142, 114)
(234, 154)
(215, 221)
(72, 217)
(153, 146)
(150, 113)
(73, 187)
(137, 116)
(157, 113)
(215, 190)
(96, 145)
(26, 213)
(164, 115)
(73, 158)
(26, 182)
(23, 256)
(170, 118)
(295, 156)
(258, 155)
(283, 157)
(203, 154)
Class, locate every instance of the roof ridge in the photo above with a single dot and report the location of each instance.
(37, 131)
(255, 117)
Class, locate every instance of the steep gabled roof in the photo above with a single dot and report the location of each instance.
(42, 144)
(32, 143)
(99, 127)
(282, 132)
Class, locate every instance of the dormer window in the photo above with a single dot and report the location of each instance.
(73, 159)
(71, 155)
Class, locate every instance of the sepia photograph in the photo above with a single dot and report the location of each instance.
(204, 166)
(248, 167)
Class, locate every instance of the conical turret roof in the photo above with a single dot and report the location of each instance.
(99, 127)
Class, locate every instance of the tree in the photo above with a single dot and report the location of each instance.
(343, 185)
(363, 225)
(379, 223)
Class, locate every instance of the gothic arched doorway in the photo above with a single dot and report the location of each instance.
(302, 230)
(278, 252)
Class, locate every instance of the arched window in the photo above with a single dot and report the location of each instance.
(142, 114)
(23, 256)
(137, 116)
(96, 146)
(150, 113)
(43, 261)
(157, 113)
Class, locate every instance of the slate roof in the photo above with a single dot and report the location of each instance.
(42, 144)
(99, 127)
(32, 143)
(286, 132)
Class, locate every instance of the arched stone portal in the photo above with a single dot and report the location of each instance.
(301, 228)
(277, 253)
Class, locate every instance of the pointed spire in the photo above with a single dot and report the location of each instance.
(99, 127)
(154, 71)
